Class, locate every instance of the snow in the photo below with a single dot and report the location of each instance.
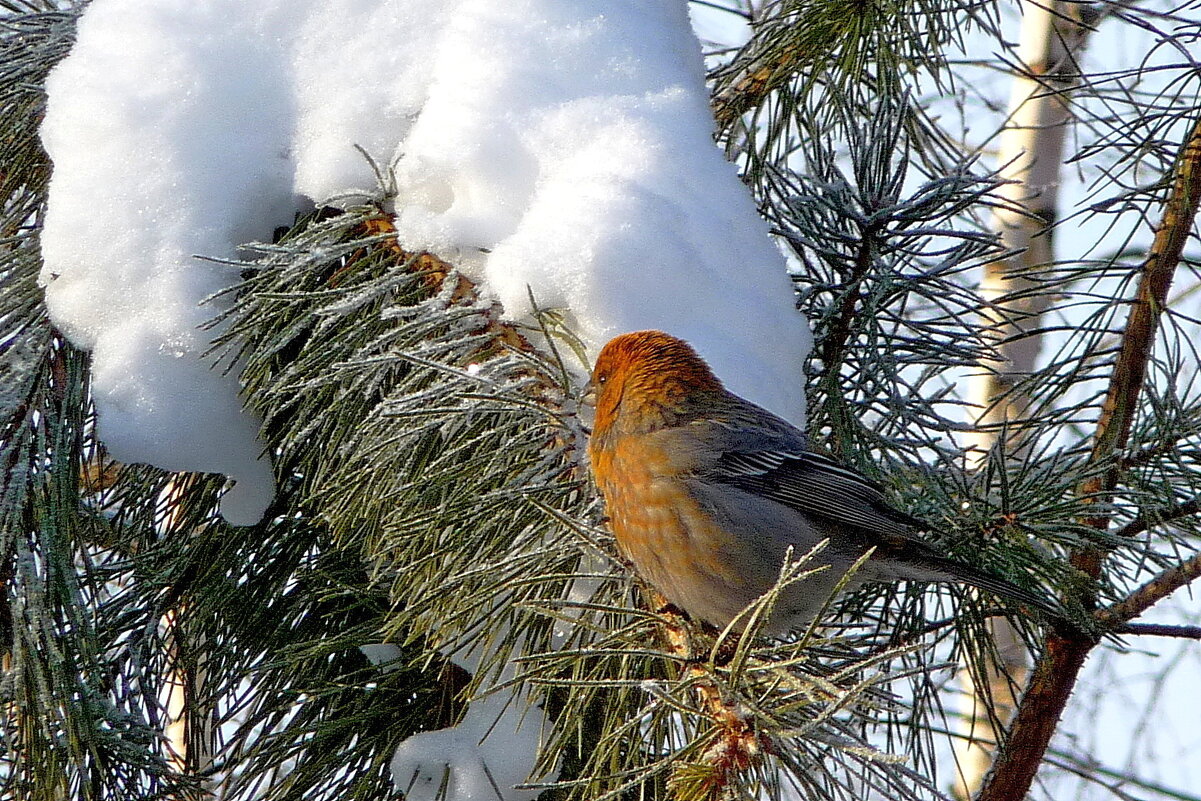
(386, 655)
(486, 755)
(162, 149)
(595, 184)
(559, 147)
(491, 751)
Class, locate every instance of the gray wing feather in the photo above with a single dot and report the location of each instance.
(814, 485)
(779, 468)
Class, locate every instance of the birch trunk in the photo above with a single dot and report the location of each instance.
(1031, 156)
(189, 726)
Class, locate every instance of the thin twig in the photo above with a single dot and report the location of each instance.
(1154, 590)
(1153, 452)
(1143, 522)
(1159, 630)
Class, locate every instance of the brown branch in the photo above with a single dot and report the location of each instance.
(753, 82)
(1152, 592)
(1159, 630)
(434, 272)
(834, 343)
(1130, 369)
(1145, 521)
(737, 745)
(1151, 452)
(1055, 674)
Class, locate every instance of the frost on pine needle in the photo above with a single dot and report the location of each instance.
(429, 464)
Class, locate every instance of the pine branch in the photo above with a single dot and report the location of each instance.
(736, 745)
(1151, 592)
(1144, 522)
(1159, 630)
(418, 420)
(1057, 669)
(753, 81)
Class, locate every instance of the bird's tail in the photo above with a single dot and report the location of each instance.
(941, 569)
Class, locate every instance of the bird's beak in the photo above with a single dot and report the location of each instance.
(587, 407)
(588, 396)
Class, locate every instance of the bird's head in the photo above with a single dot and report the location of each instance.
(648, 378)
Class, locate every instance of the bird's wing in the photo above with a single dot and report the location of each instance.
(815, 485)
(818, 486)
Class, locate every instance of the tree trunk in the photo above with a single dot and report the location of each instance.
(1031, 156)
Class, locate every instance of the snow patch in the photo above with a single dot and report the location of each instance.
(488, 754)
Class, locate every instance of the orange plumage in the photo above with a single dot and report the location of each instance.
(706, 491)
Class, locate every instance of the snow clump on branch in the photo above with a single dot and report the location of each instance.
(554, 147)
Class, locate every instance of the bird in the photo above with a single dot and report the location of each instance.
(705, 493)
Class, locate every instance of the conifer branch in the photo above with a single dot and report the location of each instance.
(753, 82)
(1151, 592)
(1159, 630)
(736, 745)
(1148, 521)
(1057, 669)
(433, 272)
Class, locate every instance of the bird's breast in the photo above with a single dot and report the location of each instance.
(674, 543)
